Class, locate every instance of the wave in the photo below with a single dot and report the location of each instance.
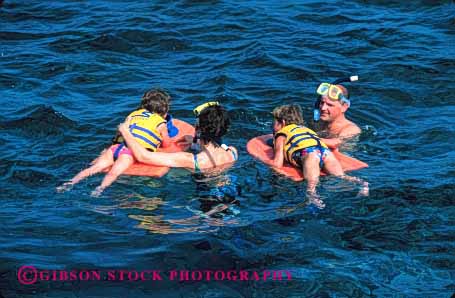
(38, 121)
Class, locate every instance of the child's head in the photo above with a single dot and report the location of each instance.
(156, 101)
(286, 115)
(213, 124)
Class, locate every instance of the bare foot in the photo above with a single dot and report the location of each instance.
(64, 187)
(365, 190)
(97, 192)
(315, 199)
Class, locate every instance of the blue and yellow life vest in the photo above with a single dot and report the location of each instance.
(298, 138)
(144, 126)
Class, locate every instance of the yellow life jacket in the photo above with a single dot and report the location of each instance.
(143, 127)
(298, 138)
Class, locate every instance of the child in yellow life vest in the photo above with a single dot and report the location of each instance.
(301, 147)
(148, 126)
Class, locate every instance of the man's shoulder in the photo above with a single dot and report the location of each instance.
(350, 129)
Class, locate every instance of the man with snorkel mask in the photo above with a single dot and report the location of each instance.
(330, 107)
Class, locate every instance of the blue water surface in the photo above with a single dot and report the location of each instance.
(70, 71)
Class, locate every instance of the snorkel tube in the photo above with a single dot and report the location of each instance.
(316, 111)
(346, 80)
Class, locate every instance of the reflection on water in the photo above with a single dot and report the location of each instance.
(215, 204)
(286, 210)
(144, 203)
(160, 225)
(68, 76)
(188, 219)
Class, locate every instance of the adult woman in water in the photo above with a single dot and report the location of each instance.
(216, 192)
(213, 157)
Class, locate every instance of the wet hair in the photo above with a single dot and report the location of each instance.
(344, 90)
(213, 124)
(292, 114)
(156, 101)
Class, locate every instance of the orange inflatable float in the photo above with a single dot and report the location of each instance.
(258, 148)
(140, 169)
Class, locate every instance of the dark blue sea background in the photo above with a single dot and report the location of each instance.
(70, 71)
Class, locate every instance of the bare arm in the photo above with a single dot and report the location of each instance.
(278, 158)
(165, 139)
(332, 143)
(178, 160)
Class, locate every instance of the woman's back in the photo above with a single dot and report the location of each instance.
(212, 160)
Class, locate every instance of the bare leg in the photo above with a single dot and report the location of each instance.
(333, 167)
(121, 164)
(105, 160)
(311, 171)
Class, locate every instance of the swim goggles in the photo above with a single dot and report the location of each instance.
(333, 92)
(198, 110)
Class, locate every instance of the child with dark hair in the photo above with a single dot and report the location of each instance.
(149, 129)
(301, 147)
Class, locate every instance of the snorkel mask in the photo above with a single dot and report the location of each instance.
(333, 92)
(197, 111)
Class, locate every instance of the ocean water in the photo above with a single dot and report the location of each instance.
(70, 71)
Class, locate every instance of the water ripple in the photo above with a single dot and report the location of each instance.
(71, 71)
